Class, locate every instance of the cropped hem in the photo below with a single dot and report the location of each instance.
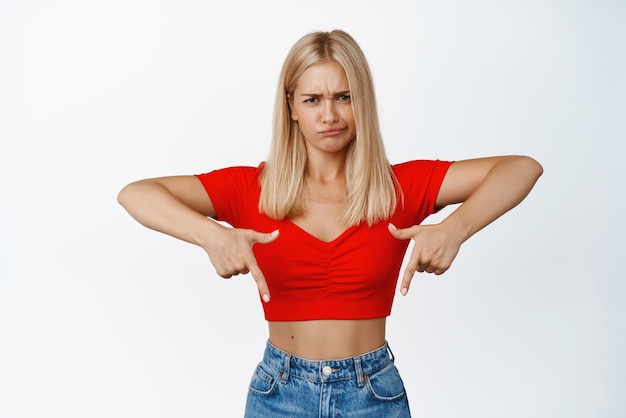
(310, 310)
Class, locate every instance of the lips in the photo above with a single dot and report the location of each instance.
(332, 131)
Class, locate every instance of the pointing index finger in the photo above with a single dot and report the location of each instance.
(261, 284)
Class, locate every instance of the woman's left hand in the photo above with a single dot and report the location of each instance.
(434, 249)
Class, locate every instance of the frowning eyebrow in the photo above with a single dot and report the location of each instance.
(339, 93)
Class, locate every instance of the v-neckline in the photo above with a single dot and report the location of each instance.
(313, 238)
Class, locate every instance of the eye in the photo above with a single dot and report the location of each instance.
(311, 100)
(344, 97)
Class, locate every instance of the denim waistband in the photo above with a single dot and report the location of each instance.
(358, 367)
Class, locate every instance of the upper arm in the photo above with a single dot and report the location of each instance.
(463, 177)
(187, 189)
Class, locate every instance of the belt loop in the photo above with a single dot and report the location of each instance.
(359, 372)
(286, 369)
(393, 358)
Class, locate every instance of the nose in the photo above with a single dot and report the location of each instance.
(329, 111)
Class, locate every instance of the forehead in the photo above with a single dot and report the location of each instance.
(326, 76)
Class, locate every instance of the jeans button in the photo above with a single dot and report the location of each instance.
(327, 370)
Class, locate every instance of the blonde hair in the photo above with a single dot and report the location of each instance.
(370, 183)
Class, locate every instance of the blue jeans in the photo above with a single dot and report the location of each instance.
(366, 386)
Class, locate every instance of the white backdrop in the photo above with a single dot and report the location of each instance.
(100, 317)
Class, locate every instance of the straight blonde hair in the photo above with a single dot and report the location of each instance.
(370, 183)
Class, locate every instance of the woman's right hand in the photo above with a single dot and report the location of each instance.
(230, 252)
(179, 206)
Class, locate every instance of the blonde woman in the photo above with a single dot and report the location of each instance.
(323, 226)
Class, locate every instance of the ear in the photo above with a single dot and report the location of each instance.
(292, 112)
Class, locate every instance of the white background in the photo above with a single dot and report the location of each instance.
(100, 317)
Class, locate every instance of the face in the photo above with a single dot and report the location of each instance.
(322, 107)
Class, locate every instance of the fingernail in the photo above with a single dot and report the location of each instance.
(266, 298)
(404, 291)
(274, 233)
(392, 226)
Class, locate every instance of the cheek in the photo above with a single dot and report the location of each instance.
(348, 114)
(306, 119)
(349, 118)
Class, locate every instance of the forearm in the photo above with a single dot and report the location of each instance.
(152, 205)
(504, 187)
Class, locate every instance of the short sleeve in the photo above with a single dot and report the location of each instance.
(421, 181)
(230, 190)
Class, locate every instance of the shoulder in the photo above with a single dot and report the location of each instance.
(231, 180)
(415, 169)
(419, 182)
(241, 172)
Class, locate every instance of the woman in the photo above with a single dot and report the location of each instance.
(323, 225)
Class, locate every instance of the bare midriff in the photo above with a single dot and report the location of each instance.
(328, 339)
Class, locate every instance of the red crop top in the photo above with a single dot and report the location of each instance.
(352, 277)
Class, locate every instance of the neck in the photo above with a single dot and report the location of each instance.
(326, 169)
